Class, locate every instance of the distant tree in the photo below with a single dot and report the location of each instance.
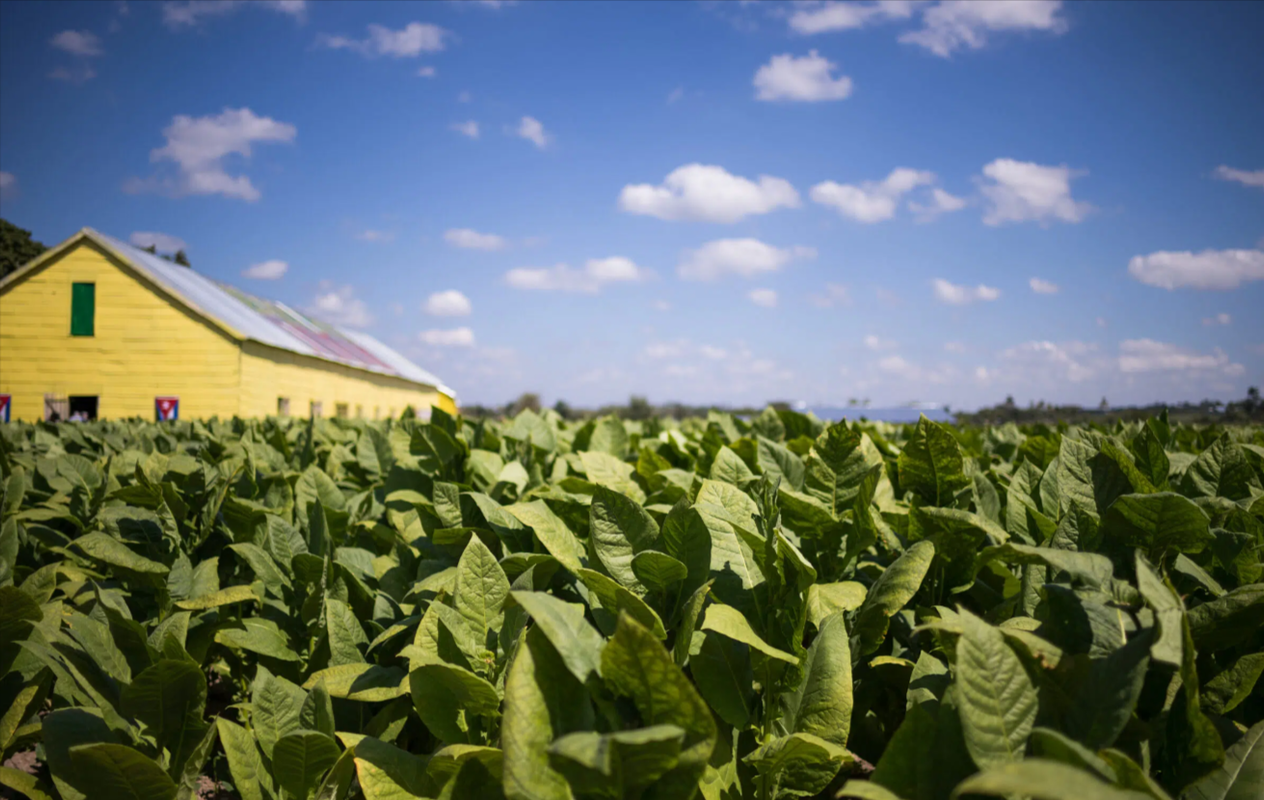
(1104, 405)
(527, 401)
(16, 247)
(638, 408)
(181, 259)
(1253, 398)
(563, 409)
(152, 249)
(852, 402)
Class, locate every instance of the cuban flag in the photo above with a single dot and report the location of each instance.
(6, 401)
(167, 408)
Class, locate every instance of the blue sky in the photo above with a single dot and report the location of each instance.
(732, 203)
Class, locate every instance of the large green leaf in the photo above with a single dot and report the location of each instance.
(114, 553)
(931, 464)
(1041, 779)
(557, 539)
(480, 589)
(447, 697)
(576, 642)
(797, 765)
(636, 665)
(386, 772)
(1221, 470)
(619, 528)
(117, 772)
(822, 702)
(169, 698)
(253, 782)
(1105, 704)
(1158, 522)
(730, 622)
(897, 585)
(616, 764)
(1240, 777)
(721, 669)
(301, 758)
(998, 699)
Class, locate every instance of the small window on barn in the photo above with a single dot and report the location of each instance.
(56, 408)
(83, 309)
(340, 410)
(317, 409)
(359, 411)
(283, 406)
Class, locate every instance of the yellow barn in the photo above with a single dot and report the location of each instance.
(95, 328)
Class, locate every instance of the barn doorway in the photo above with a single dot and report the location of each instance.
(83, 408)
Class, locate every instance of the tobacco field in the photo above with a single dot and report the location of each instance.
(774, 607)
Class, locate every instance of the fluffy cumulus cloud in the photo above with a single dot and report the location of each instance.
(835, 294)
(1219, 319)
(376, 236)
(191, 13)
(1241, 176)
(871, 201)
(596, 273)
(708, 193)
(764, 298)
(78, 43)
(164, 242)
(532, 130)
(952, 25)
(874, 342)
(470, 239)
(340, 306)
(427, 72)
(197, 146)
(1041, 286)
(410, 41)
(271, 270)
(807, 79)
(1147, 355)
(956, 295)
(744, 257)
(448, 304)
(468, 128)
(449, 337)
(940, 202)
(1210, 269)
(1051, 361)
(831, 16)
(1022, 191)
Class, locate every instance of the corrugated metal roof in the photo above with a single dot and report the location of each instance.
(269, 321)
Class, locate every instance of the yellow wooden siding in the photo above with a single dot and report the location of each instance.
(145, 345)
(269, 373)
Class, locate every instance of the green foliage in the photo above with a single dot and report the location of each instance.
(16, 247)
(636, 607)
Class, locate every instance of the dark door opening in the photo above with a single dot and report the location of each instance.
(83, 408)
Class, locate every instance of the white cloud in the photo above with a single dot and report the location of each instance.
(1147, 355)
(190, 13)
(835, 294)
(981, 373)
(8, 184)
(712, 352)
(427, 72)
(78, 43)
(198, 146)
(1068, 361)
(1219, 319)
(662, 305)
(410, 41)
(267, 270)
(954, 347)
(941, 202)
(658, 351)
(452, 337)
(871, 201)
(375, 236)
(955, 295)
(473, 240)
(837, 16)
(1210, 269)
(1022, 191)
(805, 79)
(744, 257)
(165, 242)
(450, 303)
(1101, 322)
(707, 193)
(563, 278)
(1241, 176)
(767, 298)
(877, 343)
(78, 74)
(532, 130)
(955, 24)
(340, 306)
(1040, 286)
(469, 128)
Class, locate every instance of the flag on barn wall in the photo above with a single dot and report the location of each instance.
(5, 402)
(166, 408)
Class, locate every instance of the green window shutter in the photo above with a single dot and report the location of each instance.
(83, 309)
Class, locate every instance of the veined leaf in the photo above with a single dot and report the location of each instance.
(998, 699)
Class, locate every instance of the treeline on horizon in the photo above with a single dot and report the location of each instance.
(1248, 409)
